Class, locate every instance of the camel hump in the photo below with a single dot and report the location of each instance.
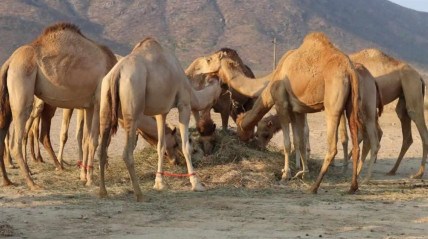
(147, 42)
(61, 26)
(378, 55)
(317, 37)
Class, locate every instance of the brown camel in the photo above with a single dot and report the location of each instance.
(314, 77)
(63, 68)
(396, 79)
(206, 129)
(149, 81)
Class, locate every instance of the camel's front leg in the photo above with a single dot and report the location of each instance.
(160, 122)
(184, 117)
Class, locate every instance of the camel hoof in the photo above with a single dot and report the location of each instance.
(39, 160)
(285, 176)
(59, 168)
(36, 187)
(417, 176)
(102, 193)
(159, 185)
(7, 183)
(139, 198)
(12, 166)
(83, 177)
(88, 183)
(313, 190)
(390, 173)
(196, 185)
(353, 190)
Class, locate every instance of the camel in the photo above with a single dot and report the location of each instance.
(206, 129)
(62, 67)
(296, 87)
(231, 103)
(150, 81)
(397, 79)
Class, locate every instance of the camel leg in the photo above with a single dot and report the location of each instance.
(307, 143)
(332, 125)
(373, 139)
(79, 132)
(85, 150)
(3, 134)
(196, 116)
(406, 131)
(184, 116)
(160, 122)
(66, 117)
(284, 118)
(6, 155)
(92, 122)
(224, 119)
(34, 141)
(298, 120)
(46, 119)
(364, 153)
(295, 143)
(21, 112)
(418, 118)
(343, 136)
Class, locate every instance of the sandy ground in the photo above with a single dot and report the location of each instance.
(389, 207)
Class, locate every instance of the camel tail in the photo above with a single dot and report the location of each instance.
(5, 112)
(379, 102)
(114, 100)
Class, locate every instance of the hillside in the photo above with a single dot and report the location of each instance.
(194, 28)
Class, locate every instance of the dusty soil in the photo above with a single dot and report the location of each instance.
(388, 207)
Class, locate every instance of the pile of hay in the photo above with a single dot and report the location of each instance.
(233, 164)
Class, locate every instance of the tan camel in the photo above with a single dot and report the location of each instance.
(63, 68)
(397, 79)
(231, 103)
(314, 77)
(149, 81)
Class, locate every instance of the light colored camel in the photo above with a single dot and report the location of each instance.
(396, 79)
(231, 103)
(149, 81)
(63, 68)
(314, 77)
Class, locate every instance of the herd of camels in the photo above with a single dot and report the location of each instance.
(63, 68)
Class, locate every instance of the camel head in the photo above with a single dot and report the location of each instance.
(207, 138)
(244, 135)
(266, 128)
(173, 149)
(207, 64)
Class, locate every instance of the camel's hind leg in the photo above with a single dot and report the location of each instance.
(66, 117)
(406, 131)
(419, 119)
(373, 138)
(33, 136)
(46, 119)
(298, 120)
(332, 119)
(7, 145)
(3, 134)
(343, 136)
(281, 107)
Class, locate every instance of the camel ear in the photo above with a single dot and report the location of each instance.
(174, 131)
(269, 124)
(220, 56)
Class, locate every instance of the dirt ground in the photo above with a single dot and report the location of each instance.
(388, 207)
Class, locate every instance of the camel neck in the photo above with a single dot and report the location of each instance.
(247, 86)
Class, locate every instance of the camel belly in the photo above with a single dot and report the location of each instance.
(63, 97)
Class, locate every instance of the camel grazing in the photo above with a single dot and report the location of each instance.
(63, 68)
(149, 81)
(396, 79)
(231, 103)
(206, 129)
(314, 77)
